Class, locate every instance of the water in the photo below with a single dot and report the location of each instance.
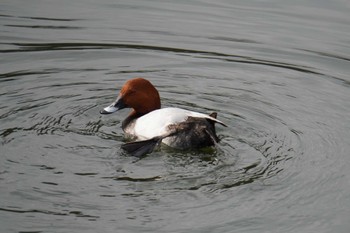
(277, 72)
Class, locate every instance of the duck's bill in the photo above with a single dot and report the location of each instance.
(117, 105)
(108, 110)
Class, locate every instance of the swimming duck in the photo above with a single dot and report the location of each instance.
(151, 124)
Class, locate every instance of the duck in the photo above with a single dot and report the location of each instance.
(151, 125)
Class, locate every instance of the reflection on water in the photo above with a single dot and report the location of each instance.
(276, 73)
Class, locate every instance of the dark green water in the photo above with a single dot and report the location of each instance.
(277, 73)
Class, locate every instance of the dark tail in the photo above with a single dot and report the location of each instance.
(141, 148)
(213, 114)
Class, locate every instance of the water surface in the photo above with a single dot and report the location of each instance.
(276, 72)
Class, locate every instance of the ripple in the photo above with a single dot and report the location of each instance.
(47, 212)
(40, 18)
(32, 47)
(236, 162)
(50, 27)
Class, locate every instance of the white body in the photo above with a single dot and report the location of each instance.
(156, 122)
